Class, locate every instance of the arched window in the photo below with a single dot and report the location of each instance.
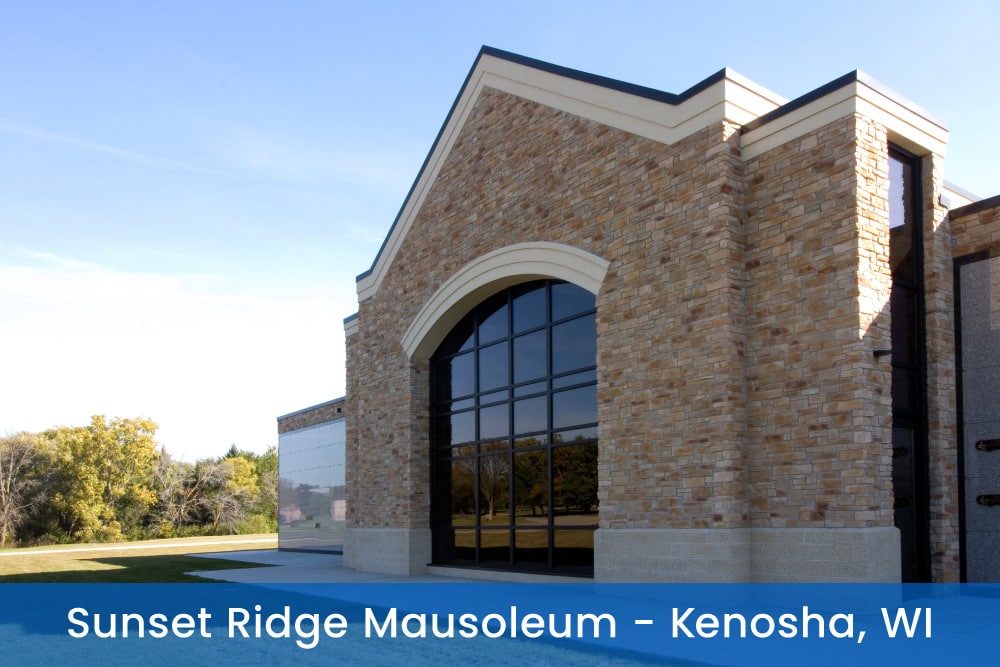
(514, 432)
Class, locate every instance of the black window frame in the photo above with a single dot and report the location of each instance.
(909, 368)
(575, 382)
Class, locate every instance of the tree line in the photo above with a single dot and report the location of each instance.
(109, 481)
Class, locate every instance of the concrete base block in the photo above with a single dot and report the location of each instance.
(818, 555)
(671, 555)
(747, 555)
(388, 550)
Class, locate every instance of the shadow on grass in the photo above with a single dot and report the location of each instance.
(132, 570)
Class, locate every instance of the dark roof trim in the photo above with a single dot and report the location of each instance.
(313, 407)
(350, 318)
(802, 100)
(837, 84)
(603, 81)
(975, 207)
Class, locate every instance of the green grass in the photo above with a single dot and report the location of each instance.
(155, 561)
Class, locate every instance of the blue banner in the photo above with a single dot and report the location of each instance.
(499, 624)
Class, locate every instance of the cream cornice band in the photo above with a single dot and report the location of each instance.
(491, 273)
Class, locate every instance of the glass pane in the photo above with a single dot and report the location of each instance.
(529, 389)
(494, 325)
(454, 429)
(494, 397)
(464, 404)
(575, 378)
(531, 414)
(574, 407)
(442, 493)
(574, 435)
(901, 254)
(494, 422)
(568, 299)
(574, 484)
(530, 356)
(903, 382)
(536, 440)
(574, 547)
(494, 546)
(493, 368)
(531, 488)
(574, 344)
(463, 496)
(465, 544)
(494, 490)
(903, 311)
(900, 219)
(531, 546)
(529, 309)
(462, 375)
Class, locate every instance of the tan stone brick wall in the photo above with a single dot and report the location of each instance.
(942, 409)
(318, 414)
(818, 398)
(670, 379)
(977, 231)
(671, 388)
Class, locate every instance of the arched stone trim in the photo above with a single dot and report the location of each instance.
(492, 272)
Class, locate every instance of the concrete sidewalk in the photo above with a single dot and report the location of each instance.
(298, 567)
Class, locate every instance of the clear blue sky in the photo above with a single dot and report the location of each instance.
(188, 189)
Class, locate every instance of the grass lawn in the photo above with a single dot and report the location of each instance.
(152, 561)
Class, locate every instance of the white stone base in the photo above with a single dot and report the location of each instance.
(388, 550)
(745, 554)
(792, 555)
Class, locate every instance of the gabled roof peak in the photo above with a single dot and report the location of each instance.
(725, 97)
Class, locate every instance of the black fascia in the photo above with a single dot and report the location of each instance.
(603, 81)
(802, 100)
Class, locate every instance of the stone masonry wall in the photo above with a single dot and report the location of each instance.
(818, 397)
(318, 414)
(976, 228)
(670, 379)
(942, 408)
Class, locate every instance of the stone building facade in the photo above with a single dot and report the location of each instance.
(765, 290)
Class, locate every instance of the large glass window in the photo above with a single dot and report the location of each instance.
(514, 433)
(311, 491)
(909, 412)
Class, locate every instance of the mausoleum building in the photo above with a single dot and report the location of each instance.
(710, 336)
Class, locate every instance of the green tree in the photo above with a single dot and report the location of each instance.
(103, 486)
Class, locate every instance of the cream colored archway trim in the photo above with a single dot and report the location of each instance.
(489, 274)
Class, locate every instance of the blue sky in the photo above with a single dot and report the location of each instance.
(188, 189)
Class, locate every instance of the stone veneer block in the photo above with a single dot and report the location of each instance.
(791, 555)
(401, 551)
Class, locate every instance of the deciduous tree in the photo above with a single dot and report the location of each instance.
(20, 458)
